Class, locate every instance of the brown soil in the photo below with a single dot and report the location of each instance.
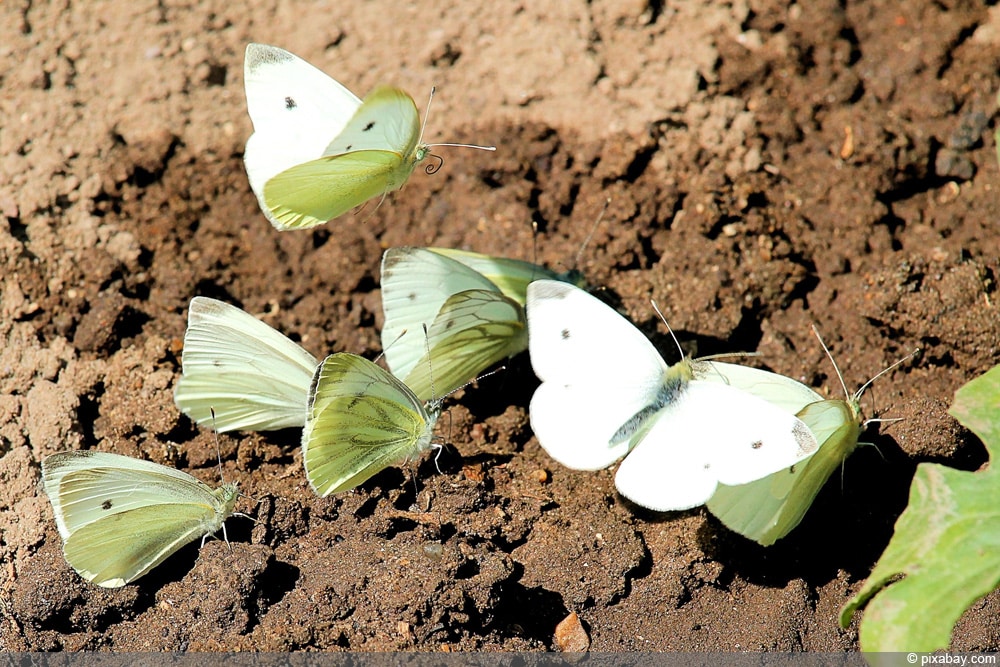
(770, 166)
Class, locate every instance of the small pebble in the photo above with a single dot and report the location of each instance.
(571, 637)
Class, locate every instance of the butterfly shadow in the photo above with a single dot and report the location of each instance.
(846, 528)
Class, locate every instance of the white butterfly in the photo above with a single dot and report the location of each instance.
(318, 151)
(240, 374)
(606, 391)
(120, 517)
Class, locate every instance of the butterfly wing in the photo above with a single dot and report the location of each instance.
(119, 517)
(361, 420)
(374, 154)
(598, 374)
(779, 390)
(296, 110)
(253, 377)
(713, 433)
(767, 509)
(511, 276)
(387, 120)
(416, 283)
(122, 547)
(473, 330)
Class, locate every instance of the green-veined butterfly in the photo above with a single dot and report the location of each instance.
(361, 420)
(240, 374)
(317, 151)
(471, 304)
(120, 517)
(767, 509)
(606, 392)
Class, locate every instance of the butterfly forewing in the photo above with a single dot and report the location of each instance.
(240, 374)
(784, 392)
(361, 420)
(592, 362)
(510, 276)
(387, 120)
(296, 111)
(769, 508)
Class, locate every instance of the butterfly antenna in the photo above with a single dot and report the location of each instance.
(423, 126)
(664, 320)
(829, 356)
(590, 235)
(883, 372)
(477, 379)
(394, 341)
(218, 449)
(534, 244)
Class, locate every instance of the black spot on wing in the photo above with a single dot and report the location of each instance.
(290, 103)
(348, 147)
(106, 505)
(369, 126)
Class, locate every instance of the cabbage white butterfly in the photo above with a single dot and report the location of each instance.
(607, 392)
(120, 517)
(472, 305)
(317, 151)
(361, 420)
(767, 509)
(240, 374)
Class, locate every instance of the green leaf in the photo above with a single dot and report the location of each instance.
(946, 545)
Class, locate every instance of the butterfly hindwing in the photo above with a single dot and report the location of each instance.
(474, 330)
(416, 283)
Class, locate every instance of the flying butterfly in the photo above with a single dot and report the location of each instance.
(318, 151)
